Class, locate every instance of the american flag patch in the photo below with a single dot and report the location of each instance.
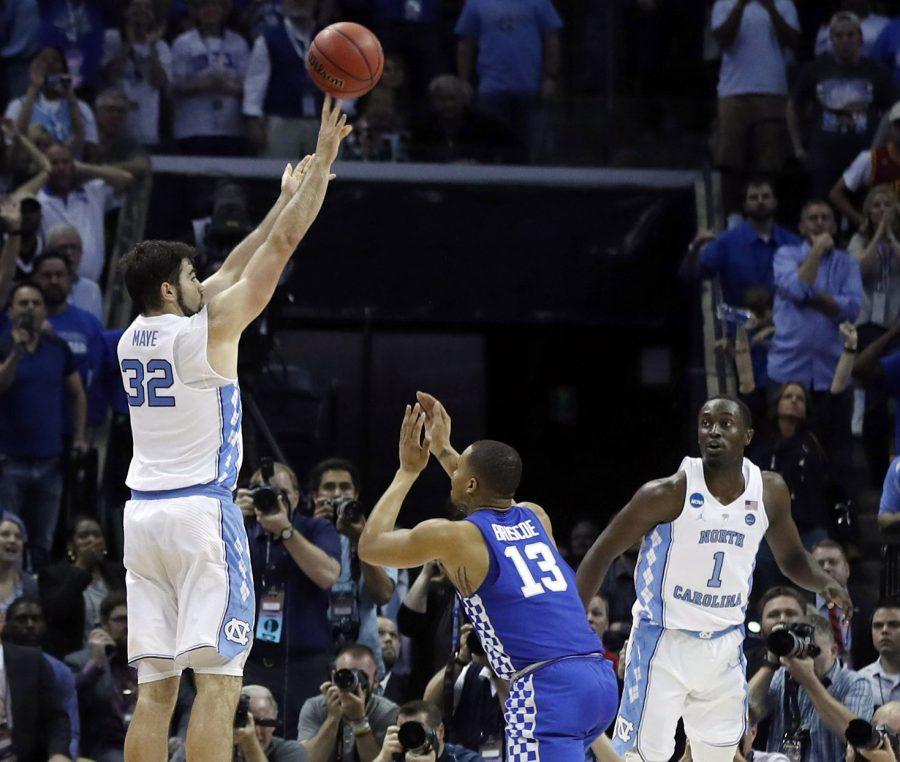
(750, 505)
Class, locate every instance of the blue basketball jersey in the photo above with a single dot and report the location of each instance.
(527, 610)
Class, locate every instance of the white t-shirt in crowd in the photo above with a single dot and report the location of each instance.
(143, 120)
(51, 114)
(83, 209)
(871, 28)
(859, 173)
(194, 55)
(755, 62)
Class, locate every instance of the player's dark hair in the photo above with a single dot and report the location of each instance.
(497, 466)
(46, 256)
(827, 542)
(357, 651)
(23, 600)
(430, 710)
(110, 602)
(17, 287)
(780, 591)
(150, 264)
(743, 408)
(331, 464)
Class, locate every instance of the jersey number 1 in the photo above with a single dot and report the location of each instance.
(716, 579)
(160, 377)
(537, 551)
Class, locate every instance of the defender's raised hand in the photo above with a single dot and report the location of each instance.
(413, 448)
(332, 131)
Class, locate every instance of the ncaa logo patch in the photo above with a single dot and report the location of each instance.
(749, 519)
(697, 500)
(237, 631)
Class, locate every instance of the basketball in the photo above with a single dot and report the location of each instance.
(345, 60)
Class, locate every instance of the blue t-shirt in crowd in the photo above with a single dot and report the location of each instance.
(510, 35)
(84, 335)
(305, 628)
(32, 417)
(890, 366)
(890, 492)
(887, 48)
(111, 377)
(78, 29)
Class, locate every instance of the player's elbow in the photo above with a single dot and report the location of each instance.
(367, 548)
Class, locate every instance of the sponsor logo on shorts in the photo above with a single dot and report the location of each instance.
(749, 519)
(624, 729)
(237, 631)
(697, 500)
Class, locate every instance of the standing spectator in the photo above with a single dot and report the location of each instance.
(817, 287)
(36, 715)
(295, 561)
(75, 27)
(84, 292)
(25, 625)
(836, 104)
(81, 204)
(871, 23)
(393, 686)
(883, 674)
(279, 97)
(889, 506)
(598, 619)
(118, 146)
(20, 26)
(851, 637)
(37, 373)
(830, 695)
(138, 61)
(349, 724)
(208, 68)
(78, 328)
(777, 606)
(74, 589)
(449, 129)
(361, 587)
(50, 102)
(517, 47)
(107, 685)
(878, 166)
(412, 29)
(14, 582)
(755, 36)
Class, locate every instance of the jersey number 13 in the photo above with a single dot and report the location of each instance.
(537, 551)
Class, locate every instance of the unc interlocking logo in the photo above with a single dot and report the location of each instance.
(624, 729)
(237, 631)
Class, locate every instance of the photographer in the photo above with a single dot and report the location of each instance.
(361, 588)
(887, 718)
(828, 695)
(347, 722)
(254, 731)
(295, 563)
(428, 717)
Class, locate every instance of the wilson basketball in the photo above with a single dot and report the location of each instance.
(345, 60)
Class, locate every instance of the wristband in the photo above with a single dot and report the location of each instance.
(360, 727)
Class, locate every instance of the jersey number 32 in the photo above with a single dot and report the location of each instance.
(158, 376)
(537, 551)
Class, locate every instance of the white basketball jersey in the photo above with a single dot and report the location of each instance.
(185, 418)
(695, 573)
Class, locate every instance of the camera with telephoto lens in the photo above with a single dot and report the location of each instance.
(416, 738)
(863, 736)
(264, 495)
(348, 509)
(350, 680)
(242, 713)
(794, 641)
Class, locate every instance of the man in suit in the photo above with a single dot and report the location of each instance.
(393, 687)
(40, 726)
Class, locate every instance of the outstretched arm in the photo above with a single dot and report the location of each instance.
(232, 310)
(793, 560)
(657, 502)
(233, 267)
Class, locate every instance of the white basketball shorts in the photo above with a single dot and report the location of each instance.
(189, 583)
(670, 674)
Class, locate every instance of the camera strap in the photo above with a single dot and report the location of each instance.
(791, 705)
